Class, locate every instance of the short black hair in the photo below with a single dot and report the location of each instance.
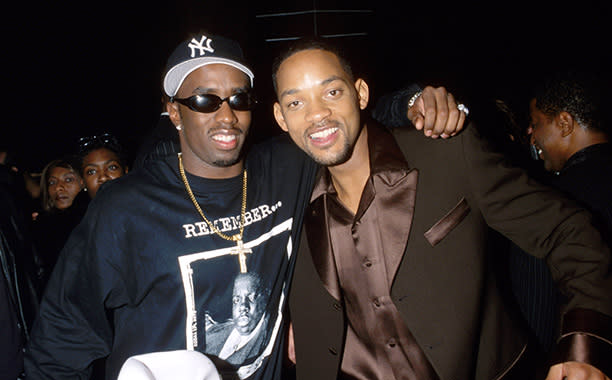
(103, 141)
(311, 44)
(578, 93)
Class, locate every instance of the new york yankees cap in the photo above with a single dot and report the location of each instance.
(200, 51)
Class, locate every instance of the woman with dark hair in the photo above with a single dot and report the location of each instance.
(100, 159)
(63, 206)
(60, 184)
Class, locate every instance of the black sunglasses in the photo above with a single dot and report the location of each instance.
(207, 103)
(103, 139)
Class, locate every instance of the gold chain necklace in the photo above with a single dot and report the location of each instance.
(239, 250)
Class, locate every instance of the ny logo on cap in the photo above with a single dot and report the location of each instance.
(195, 44)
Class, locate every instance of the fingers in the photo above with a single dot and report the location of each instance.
(435, 110)
(555, 372)
(416, 116)
(575, 371)
(291, 345)
(460, 124)
(439, 111)
(453, 118)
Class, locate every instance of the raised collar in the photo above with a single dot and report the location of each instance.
(386, 161)
(595, 151)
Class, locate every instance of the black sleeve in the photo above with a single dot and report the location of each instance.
(72, 329)
(391, 108)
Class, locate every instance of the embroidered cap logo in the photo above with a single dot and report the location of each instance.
(195, 44)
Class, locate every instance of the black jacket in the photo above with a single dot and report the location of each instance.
(18, 273)
(587, 178)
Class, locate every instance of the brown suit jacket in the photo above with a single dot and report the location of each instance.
(444, 287)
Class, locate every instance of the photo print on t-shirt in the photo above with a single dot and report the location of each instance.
(236, 316)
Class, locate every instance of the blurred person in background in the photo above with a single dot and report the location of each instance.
(63, 205)
(19, 269)
(570, 134)
(100, 159)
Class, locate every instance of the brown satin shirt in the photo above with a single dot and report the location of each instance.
(367, 249)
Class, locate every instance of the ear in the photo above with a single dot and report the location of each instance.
(566, 123)
(363, 91)
(173, 113)
(280, 119)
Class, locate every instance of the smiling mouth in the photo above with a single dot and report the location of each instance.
(224, 138)
(323, 134)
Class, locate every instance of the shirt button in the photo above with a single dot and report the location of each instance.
(354, 228)
(337, 306)
(333, 351)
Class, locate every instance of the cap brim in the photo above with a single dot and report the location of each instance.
(176, 75)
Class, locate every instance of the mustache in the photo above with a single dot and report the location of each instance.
(225, 129)
(323, 124)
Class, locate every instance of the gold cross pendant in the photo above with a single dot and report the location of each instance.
(241, 251)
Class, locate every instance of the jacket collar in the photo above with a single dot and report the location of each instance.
(593, 152)
(388, 169)
(386, 162)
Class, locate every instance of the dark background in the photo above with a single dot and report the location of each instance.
(75, 70)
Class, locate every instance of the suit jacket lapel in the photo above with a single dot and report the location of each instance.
(317, 230)
(394, 187)
(395, 184)
(395, 197)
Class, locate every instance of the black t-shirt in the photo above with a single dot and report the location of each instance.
(144, 273)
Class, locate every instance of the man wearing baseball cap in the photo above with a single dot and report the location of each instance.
(151, 267)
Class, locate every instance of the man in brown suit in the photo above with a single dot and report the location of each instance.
(393, 278)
